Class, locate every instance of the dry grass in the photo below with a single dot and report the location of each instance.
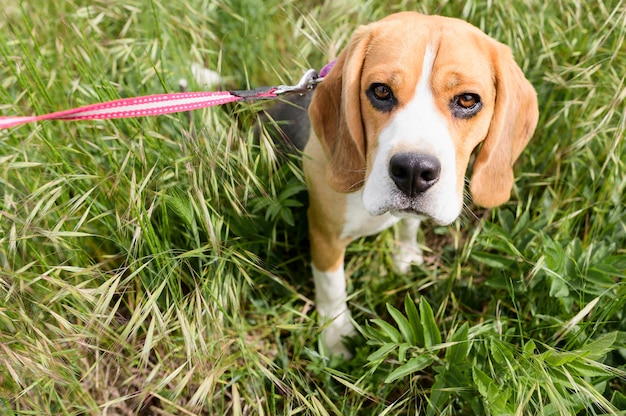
(148, 267)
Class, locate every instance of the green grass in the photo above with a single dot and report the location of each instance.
(160, 266)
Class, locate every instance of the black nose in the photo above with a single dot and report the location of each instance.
(414, 173)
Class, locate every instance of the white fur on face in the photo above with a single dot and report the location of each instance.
(420, 128)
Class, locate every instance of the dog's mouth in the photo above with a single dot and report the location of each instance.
(403, 209)
(408, 213)
(402, 206)
(441, 207)
(413, 211)
(418, 208)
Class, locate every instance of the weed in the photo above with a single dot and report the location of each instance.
(160, 265)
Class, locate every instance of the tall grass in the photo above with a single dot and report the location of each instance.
(160, 265)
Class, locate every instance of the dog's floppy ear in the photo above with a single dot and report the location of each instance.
(335, 114)
(513, 123)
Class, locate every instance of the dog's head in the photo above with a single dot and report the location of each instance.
(407, 102)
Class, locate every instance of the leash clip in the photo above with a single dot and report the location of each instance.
(308, 81)
(255, 94)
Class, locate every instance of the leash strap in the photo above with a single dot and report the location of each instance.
(153, 105)
(150, 105)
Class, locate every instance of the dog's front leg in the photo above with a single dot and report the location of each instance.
(407, 251)
(327, 255)
(330, 298)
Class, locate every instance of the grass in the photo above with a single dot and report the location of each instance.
(159, 265)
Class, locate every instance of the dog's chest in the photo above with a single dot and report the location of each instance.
(358, 223)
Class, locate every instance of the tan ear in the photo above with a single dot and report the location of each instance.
(335, 114)
(513, 123)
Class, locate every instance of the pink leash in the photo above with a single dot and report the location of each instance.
(149, 105)
(152, 105)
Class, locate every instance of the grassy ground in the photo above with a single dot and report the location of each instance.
(159, 265)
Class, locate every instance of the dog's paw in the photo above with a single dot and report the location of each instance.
(406, 256)
(334, 333)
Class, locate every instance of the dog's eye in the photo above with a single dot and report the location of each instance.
(381, 97)
(467, 100)
(382, 92)
(466, 105)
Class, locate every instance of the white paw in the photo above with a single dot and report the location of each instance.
(334, 333)
(405, 256)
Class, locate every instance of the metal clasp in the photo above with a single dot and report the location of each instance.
(308, 81)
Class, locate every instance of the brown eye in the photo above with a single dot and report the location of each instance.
(382, 92)
(466, 105)
(467, 100)
(381, 97)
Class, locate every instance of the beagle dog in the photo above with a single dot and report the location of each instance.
(393, 125)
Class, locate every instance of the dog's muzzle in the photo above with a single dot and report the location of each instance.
(414, 173)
